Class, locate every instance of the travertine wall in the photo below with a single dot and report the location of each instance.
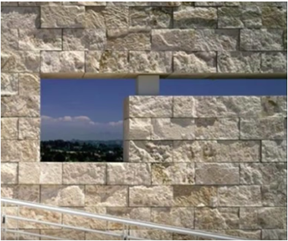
(217, 164)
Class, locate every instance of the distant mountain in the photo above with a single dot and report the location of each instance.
(97, 142)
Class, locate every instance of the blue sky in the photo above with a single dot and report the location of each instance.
(90, 109)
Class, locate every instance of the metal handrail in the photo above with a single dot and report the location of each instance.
(123, 221)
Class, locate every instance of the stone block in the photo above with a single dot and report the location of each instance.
(198, 62)
(238, 62)
(180, 217)
(84, 39)
(236, 196)
(94, 17)
(161, 17)
(9, 39)
(137, 129)
(9, 173)
(9, 128)
(148, 151)
(274, 105)
(9, 4)
(173, 173)
(100, 236)
(274, 62)
(275, 194)
(128, 174)
(151, 234)
(20, 17)
(29, 128)
(116, 17)
(194, 129)
(194, 40)
(40, 39)
(271, 127)
(58, 195)
(209, 4)
(140, 18)
(106, 196)
(213, 219)
(86, 3)
(148, 106)
(29, 193)
(29, 84)
(154, 196)
(193, 18)
(215, 174)
(194, 196)
(64, 234)
(247, 234)
(40, 173)
(20, 61)
(11, 236)
(274, 234)
(62, 16)
(20, 151)
(17, 106)
(274, 17)
(274, 151)
(84, 173)
(150, 62)
(9, 84)
(216, 151)
(263, 40)
(65, 61)
(219, 106)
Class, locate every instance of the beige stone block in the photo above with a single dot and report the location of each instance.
(137, 129)
(216, 218)
(239, 196)
(209, 4)
(64, 234)
(161, 17)
(65, 61)
(148, 106)
(274, 62)
(30, 193)
(148, 151)
(264, 39)
(248, 234)
(9, 4)
(194, 196)
(20, 61)
(116, 17)
(98, 236)
(274, 105)
(29, 84)
(62, 16)
(94, 17)
(40, 173)
(151, 234)
(128, 174)
(20, 151)
(189, 129)
(140, 18)
(9, 39)
(271, 127)
(274, 234)
(150, 62)
(216, 151)
(84, 173)
(180, 217)
(219, 106)
(9, 128)
(274, 151)
(40, 39)
(161, 196)
(198, 62)
(29, 128)
(238, 62)
(84, 39)
(106, 196)
(9, 173)
(274, 17)
(11, 236)
(9, 84)
(58, 195)
(194, 40)
(216, 173)
(190, 17)
(173, 173)
(20, 17)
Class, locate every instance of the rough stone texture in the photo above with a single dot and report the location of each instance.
(9, 173)
(106, 196)
(40, 173)
(62, 16)
(62, 195)
(173, 173)
(94, 17)
(137, 129)
(274, 234)
(9, 39)
(272, 127)
(30, 193)
(239, 196)
(9, 84)
(274, 105)
(148, 106)
(128, 174)
(9, 128)
(29, 128)
(274, 17)
(65, 234)
(189, 129)
(213, 173)
(216, 151)
(274, 62)
(116, 17)
(154, 196)
(274, 151)
(195, 196)
(84, 173)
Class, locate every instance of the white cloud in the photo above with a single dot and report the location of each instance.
(118, 123)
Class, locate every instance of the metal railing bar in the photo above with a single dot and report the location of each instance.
(34, 234)
(122, 220)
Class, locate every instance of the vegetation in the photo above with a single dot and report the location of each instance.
(81, 151)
